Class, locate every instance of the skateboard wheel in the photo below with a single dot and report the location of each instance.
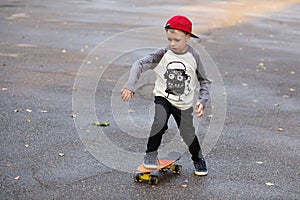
(164, 170)
(178, 169)
(153, 180)
(137, 177)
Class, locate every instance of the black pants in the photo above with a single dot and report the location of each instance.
(184, 121)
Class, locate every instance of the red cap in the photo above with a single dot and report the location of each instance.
(180, 23)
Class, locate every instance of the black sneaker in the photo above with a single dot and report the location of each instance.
(151, 160)
(200, 167)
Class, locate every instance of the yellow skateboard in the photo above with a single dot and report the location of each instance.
(145, 175)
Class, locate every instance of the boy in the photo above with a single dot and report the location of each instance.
(177, 68)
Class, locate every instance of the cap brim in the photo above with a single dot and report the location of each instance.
(194, 36)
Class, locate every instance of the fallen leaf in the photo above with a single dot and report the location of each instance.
(184, 185)
(280, 129)
(285, 96)
(261, 66)
(17, 16)
(269, 184)
(130, 111)
(101, 123)
(74, 89)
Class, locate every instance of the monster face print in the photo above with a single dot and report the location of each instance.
(177, 79)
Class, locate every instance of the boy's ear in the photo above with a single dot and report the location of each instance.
(188, 37)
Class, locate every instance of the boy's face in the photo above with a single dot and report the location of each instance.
(178, 40)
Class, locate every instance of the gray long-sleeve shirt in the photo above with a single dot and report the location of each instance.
(176, 76)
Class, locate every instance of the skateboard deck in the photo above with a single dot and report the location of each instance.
(165, 164)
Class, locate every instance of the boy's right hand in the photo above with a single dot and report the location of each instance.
(126, 94)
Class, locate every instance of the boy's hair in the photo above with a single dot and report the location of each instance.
(172, 30)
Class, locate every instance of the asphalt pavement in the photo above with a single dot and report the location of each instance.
(48, 140)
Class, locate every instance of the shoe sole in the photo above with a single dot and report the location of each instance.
(201, 173)
(150, 166)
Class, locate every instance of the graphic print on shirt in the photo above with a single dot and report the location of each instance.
(177, 80)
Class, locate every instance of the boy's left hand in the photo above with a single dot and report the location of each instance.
(199, 109)
(126, 94)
